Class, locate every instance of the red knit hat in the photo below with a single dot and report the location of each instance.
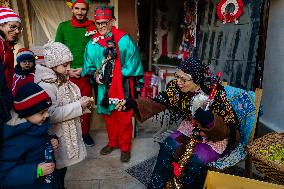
(8, 15)
(104, 12)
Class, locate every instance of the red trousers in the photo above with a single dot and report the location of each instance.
(119, 129)
(86, 90)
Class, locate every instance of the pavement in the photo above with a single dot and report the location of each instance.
(107, 172)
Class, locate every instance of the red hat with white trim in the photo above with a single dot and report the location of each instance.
(8, 15)
(31, 99)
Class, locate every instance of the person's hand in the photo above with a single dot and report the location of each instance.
(86, 102)
(75, 72)
(120, 106)
(54, 144)
(47, 168)
(126, 105)
(98, 79)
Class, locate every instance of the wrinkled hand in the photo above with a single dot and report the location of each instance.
(55, 144)
(47, 168)
(75, 72)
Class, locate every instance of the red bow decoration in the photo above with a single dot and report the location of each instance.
(177, 169)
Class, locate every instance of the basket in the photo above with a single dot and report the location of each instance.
(272, 170)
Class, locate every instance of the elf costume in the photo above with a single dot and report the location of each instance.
(127, 67)
(75, 35)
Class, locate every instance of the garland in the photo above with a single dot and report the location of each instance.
(229, 17)
(188, 44)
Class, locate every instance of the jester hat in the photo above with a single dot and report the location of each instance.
(104, 12)
(71, 3)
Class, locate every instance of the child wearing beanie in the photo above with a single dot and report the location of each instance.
(24, 70)
(67, 104)
(25, 140)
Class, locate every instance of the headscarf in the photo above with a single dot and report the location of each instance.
(199, 72)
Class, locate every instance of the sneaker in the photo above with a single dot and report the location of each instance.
(88, 140)
(125, 156)
(107, 150)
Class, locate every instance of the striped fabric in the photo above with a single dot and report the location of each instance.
(8, 15)
(30, 100)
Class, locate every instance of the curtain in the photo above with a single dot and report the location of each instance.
(46, 16)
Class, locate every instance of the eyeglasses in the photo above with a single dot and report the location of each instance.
(181, 79)
(14, 28)
(103, 24)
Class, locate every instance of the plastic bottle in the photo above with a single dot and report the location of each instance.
(48, 159)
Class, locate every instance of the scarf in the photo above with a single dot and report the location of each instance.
(116, 88)
(88, 24)
(68, 92)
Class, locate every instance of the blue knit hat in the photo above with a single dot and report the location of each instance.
(30, 99)
(25, 54)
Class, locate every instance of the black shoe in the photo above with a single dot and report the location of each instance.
(88, 140)
(125, 156)
(107, 150)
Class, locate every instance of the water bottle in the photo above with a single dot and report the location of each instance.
(48, 159)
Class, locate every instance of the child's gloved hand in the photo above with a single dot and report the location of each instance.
(47, 168)
(55, 144)
(205, 118)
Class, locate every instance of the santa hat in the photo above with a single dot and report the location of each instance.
(31, 99)
(25, 54)
(71, 3)
(104, 12)
(8, 15)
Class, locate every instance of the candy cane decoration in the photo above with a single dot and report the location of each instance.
(213, 92)
(229, 17)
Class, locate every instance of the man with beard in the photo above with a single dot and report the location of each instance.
(75, 34)
(10, 29)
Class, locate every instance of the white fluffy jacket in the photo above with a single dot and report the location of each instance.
(64, 113)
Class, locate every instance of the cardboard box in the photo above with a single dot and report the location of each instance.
(215, 180)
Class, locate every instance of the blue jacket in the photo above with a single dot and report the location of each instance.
(22, 149)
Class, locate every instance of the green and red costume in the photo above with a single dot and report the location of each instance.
(127, 67)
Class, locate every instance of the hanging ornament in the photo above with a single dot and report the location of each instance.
(188, 43)
(229, 17)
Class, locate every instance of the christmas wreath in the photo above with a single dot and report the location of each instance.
(229, 17)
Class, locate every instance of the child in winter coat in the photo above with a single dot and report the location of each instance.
(25, 140)
(24, 70)
(67, 104)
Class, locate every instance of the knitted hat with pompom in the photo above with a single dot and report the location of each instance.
(55, 54)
